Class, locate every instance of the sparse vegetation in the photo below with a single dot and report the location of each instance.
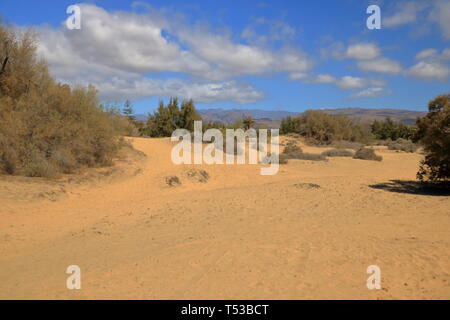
(320, 128)
(338, 153)
(48, 128)
(173, 181)
(402, 145)
(367, 154)
(434, 135)
(198, 175)
(292, 151)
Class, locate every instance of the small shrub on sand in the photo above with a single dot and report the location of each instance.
(347, 145)
(292, 151)
(338, 153)
(403, 145)
(198, 175)
(367, 154)
(173, 181)
(307, 186)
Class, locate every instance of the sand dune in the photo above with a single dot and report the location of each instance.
(308, 232)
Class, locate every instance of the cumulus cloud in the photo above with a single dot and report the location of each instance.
(407, 12)
(373, 92)
(363, 51)
(321, 78)
(381, 65)
(234, 59)
(429, 70)
(446, 54)
(432, 65)
(440, 14)
(119, 51)
(345, 83)
(351, 83)
(426, 53)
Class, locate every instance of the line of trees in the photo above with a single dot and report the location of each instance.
(322, 128)
(389, 129)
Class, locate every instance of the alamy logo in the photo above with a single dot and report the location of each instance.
(74, 280)
(235, 147)
(73, 22)
(374, 281)
(374, 20)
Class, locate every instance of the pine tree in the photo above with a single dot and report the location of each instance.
(128, 111)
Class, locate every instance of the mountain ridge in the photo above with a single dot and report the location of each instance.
(272, 118)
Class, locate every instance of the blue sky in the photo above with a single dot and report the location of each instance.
(273, 55)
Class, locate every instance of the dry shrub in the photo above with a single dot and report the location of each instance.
(48, 128)
(292, 151)
(347, 145)
(403, 145)
(173, 181)
(367, 154)
(338, 153)
(282, 159)
(198, 175)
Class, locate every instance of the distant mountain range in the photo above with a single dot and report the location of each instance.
(359, 114)
(272, 119)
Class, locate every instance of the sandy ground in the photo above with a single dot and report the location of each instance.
(240, 235)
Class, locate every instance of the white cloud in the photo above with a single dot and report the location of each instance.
(440, 14)
(436, 11)
(351, 83)
(429, 70)
(363, 51)
(381, 65)
(345, 83)
(322, 78)
(407, 12)
(373, 92)
(446, 54)
(427, 53)
(119, 51)
(233, 59)
(297, 75)
(119, 89)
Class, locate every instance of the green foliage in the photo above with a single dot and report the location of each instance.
(434, 135)
(323, 128)
(47, 128)
(166, 119)
(128, 111)
(389, 129)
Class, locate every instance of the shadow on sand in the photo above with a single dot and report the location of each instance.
(415, 187)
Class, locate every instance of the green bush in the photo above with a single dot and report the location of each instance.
(166, 119)
(367, 154)
(389, 129)
(434, 135)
